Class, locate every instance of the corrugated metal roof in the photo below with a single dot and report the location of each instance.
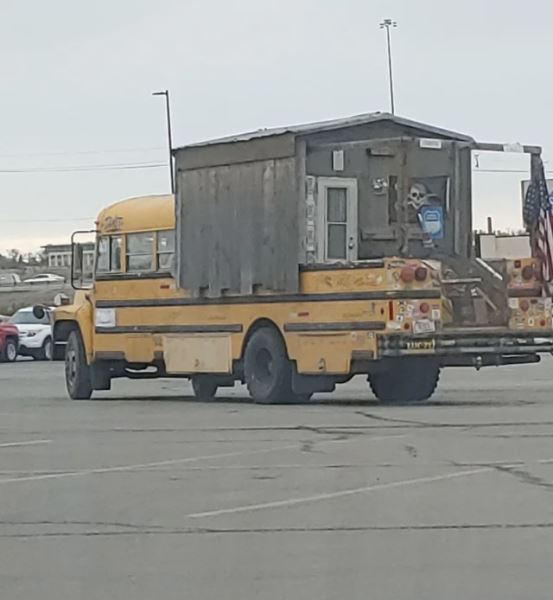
(309, 128)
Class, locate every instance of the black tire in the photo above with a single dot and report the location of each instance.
(77, 371)
(300, 398)
(407, 381)
(9, 353)
(45, 353)
(204, 386)
(267, 370)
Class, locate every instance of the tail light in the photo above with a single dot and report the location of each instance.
(421, 273)
(407, 275)
(528, 272)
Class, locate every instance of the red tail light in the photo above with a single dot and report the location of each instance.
(421, 273)
(407, 275)
(528, 272)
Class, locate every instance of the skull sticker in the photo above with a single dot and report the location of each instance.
(418, 196)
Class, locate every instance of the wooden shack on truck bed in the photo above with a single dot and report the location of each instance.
(252, 210)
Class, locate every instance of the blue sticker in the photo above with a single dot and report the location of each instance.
(432, 221)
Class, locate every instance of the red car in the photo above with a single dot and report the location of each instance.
(9, 342)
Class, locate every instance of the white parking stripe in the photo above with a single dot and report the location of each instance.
(176, 461)
(342, 494)
(27, 443)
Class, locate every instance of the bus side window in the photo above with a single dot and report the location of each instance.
(116, 243)
(102, 259)
(140, 248)
(165, 250)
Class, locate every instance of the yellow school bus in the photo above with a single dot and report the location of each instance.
(389, 319)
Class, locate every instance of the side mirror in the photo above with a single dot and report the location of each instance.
(77, 262)
(78, 275)
(38, 311)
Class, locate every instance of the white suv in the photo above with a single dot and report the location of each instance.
(35, 335)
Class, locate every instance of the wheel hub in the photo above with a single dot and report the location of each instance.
(264, 365)
(70, 365)
(11, 352)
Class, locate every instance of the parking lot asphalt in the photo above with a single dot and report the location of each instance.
(146, 493)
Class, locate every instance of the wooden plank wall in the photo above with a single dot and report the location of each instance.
(238, 228)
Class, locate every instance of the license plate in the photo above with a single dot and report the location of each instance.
(420, 345)
(424, 326)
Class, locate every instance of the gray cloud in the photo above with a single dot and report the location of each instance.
(78, 76)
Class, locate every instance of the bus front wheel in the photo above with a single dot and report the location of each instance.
(77, 371)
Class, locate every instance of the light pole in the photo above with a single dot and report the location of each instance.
(387, 24)
(169, 139)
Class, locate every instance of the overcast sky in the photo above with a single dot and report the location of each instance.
(77, 79)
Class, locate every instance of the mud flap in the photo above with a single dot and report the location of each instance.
(311, 384)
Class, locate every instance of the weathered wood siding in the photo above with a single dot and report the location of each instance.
(237, 227)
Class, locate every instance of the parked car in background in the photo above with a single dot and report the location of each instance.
(35, 335)
(45, 278)
(9, 279)
(9, 340)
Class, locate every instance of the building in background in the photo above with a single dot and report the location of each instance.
(58, 256)
(492, 246)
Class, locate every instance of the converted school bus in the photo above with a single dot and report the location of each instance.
(294, 258)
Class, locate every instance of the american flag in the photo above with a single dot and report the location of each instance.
(538, 214)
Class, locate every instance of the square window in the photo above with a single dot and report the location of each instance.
(336, 241)
(336, 211)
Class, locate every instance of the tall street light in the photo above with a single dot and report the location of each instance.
(387, 24)
(169, 139)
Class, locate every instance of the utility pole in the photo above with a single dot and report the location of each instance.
(169, 138)
(387, 24)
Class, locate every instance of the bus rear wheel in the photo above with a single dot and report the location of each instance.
(204, 386)
(267, 369)
(407, 381)
(77, 371)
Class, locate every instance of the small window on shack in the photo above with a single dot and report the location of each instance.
(139, 254)
(337, 222)
(165, 250)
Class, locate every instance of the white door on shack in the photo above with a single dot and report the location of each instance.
(337, 219)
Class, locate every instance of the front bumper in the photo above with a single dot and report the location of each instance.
(30, 344)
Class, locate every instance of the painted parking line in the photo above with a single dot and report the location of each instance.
(354, 491)
(188, 459)
(26, 443)
(341, 494)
